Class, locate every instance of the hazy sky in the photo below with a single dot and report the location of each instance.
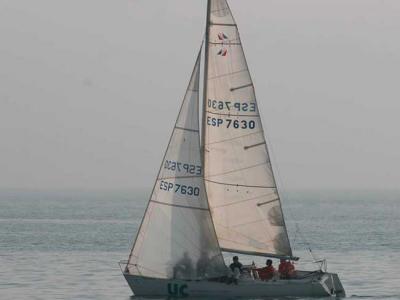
(90, 89)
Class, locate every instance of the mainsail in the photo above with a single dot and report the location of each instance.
(176, 238)
(241, 188)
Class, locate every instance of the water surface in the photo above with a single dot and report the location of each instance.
(66, 245)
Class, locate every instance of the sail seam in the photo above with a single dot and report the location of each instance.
(238, 170)
(180, 177)
(243, 235)
(228, 74)
(241, 185)
(231, 115)
(238, 137)
(180, 206)
(247, 223)
(223, 24)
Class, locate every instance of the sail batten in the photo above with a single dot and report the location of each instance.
(237, 165)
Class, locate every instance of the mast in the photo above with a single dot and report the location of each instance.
(206, 52)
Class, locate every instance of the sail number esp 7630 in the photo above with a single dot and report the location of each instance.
(230, 123)
(179, 188)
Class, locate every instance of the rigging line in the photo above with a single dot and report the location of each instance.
(178, 205)
(307, 244)
(232, 115)
(186, 129)
(294, 239)
(238, 170)
(241, 185)
(227, 74)
(179, 177)
(241, 201)
(288, 208)
(235, 138)
(143, 228)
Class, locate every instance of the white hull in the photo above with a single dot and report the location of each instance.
(316, 285)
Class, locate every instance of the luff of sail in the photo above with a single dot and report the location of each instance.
(176, 238)
(240, 184)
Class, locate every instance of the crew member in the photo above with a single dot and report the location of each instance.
(286, 269)
(236, 269)
(267, 272)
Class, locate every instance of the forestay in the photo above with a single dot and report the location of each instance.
(176, 238)
(241, 188)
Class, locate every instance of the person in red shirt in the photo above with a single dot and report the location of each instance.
(286, 269)
(267, 272)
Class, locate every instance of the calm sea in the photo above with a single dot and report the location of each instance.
(66, 245)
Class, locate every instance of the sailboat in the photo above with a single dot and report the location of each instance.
(215, 191)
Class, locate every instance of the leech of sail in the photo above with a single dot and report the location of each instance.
(241, 185)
